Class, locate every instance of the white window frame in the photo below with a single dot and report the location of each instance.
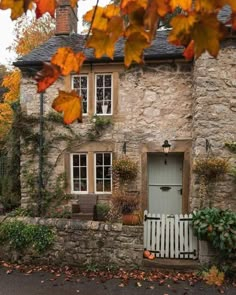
(95, 94)
(72, 173)
(72, 83)
(95, 174)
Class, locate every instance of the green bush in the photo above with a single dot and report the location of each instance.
(102, 211)
(218, 227)
(20, 236)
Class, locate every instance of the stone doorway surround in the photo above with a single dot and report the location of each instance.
(178, 146)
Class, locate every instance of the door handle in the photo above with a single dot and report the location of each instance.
(180, 191)
(165, 188)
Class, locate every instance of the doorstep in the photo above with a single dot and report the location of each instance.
(185, 265)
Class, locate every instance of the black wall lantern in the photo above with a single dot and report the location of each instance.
(166, 148)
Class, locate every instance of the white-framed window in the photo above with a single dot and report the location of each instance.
(103, 172)
(80, 84)
(79, 173)
(103, 94)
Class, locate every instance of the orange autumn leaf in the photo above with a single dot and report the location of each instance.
(129, 6)
(102, 44)
(17, 7)
(189, 51)
(100, 21)
(207, 33)
(44, 6)
(111, 10)
(6, 118)
(214, 276)
(47, 76)
(73, 3)
(67, 60)
(134, 47)
(70, 105)
(162, 7)
(12, 83)
(184, 4)
(151, 17)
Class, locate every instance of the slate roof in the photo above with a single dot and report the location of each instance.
(160, 49)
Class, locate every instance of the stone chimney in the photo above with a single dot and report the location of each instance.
(66, 18)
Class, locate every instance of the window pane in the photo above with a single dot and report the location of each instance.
(107, 159)
(99, 94)
(76, 172)
(75, 160)
(107, 80)
(76, 82)
(99, 172)
(84, 94)
(76, 185)
(83, 161)
(99, 80)
(107, 172)
(99, 160)
(107, 93)
(83, 185)
(107, 186)
(99, 186)
(83, 172)
(84, 82)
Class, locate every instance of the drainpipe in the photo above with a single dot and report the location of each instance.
(41, 150)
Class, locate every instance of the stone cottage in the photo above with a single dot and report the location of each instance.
(190, 104)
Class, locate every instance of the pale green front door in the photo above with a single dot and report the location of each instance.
(165, 183)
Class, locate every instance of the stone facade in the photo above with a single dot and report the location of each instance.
(214, 118)
(183, 102)
(80, 243)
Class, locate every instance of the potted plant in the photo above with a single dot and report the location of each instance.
(127, 203)
(125, 169)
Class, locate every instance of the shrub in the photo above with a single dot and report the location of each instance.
(218, 227)
(102, 211)
(126, 202)
(125, 168)
(21, 236)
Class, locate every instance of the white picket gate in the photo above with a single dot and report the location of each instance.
(170, 236)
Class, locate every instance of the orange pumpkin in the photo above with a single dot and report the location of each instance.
(146, 254)
(151, 256)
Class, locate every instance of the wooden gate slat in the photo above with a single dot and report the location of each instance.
(163, 224)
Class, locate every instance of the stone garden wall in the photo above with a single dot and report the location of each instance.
(80, 243)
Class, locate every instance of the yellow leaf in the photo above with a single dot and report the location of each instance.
(67, 60)
(207, 33)
(73, 3)
(70, 105)
(134, 46)
(162, 7)
(12, 82)
(111, 10)
(99, 22)
(184, 4)
(102, 44)
(129, 6)
(18, 7)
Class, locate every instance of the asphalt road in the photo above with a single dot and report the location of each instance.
(43, 283)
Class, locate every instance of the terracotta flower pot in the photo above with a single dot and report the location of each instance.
(131, 219)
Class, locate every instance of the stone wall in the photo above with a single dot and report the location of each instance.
(154, 104)
(79, 243)
(214, 118)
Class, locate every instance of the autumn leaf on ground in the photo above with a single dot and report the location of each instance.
(134, 46)
(44, 6)
(70, 105)
(47, 76)
(17, 7)
(214, 276)
(67, 60)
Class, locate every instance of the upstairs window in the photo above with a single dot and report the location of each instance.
(103, 166)
(103, 94)
(80, 84)
(79, 173)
